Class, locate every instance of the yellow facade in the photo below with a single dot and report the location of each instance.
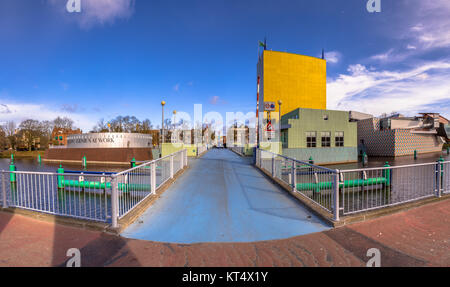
(298, 81)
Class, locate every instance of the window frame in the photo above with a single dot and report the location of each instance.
(311, 139)
(339, 141)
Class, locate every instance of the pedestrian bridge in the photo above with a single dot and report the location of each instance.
(222, 197)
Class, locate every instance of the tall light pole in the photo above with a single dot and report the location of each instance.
(279, 111)
(175, 126)
(279, 116)
(163, 103)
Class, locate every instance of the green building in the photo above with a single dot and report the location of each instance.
(327, 136)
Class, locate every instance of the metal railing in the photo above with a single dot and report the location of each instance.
(238, 150)
(201, 149)
(316, 183)
(346, 192)
(104, 197)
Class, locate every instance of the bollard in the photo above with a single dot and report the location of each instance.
(365, 159)
(387, 174)
(60, 177)
(84, 161)
(311, 160)
(448, 150)
(12, 168)
(133, 162)
(39, 159)
(415, 154)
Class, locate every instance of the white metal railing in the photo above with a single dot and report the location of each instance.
(201, 149)
(304, 178)
(104, 197)
(238, 149)
(345, 192)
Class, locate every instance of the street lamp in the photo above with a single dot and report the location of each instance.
(174, 120)
(163, 103)
(279, 105)
(279, 115)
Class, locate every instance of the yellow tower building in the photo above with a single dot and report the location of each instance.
(298, 81)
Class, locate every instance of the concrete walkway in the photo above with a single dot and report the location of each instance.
(417, 237)
(223, 198)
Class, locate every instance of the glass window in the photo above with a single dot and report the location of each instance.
(326, 139)
(311, 139)
(339, 139)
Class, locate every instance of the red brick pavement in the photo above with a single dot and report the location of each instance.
(417, 237)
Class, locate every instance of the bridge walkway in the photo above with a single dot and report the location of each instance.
(223, 198)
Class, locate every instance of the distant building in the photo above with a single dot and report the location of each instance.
(325, 135)
(59, 135)
(397, 135)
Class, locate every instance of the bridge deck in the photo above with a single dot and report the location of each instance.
(223, 198)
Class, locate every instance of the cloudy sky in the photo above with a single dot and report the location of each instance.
(122, 57)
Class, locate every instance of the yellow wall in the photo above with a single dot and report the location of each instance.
(298, 81)
(168, 148)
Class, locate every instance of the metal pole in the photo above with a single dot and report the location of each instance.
(294, 176)
(438, 179)
(273, 166)
(171, 166)
(114, 202)
(5, 203)
(336, 196)
(162, 125)
(153, 184)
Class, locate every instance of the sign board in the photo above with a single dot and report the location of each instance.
(269, 131)
(269, 106)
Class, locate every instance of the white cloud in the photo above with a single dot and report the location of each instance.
(431, 27)
(333, 57)
(98, 12)
(22, 111)
(176, 88)
(423, 87)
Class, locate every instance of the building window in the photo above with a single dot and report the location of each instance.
(339, 138)
(326, 139)
(311, 140)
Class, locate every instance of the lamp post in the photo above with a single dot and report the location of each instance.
(163, 103)
(175, 126)
(279, 116)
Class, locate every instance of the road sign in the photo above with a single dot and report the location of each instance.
(269, 127)
(269, 106)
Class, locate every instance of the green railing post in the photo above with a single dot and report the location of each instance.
(60, 177)
(12, 168)
(387, 174)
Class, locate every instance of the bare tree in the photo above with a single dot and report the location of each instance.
(64, 123)
(30, 130)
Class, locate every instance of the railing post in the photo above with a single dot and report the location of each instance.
(336, 196)
(171, 166)
(153, 184)
(114, 202)
(294, 176)
(273, 165)
(5, 202)
(438, 179)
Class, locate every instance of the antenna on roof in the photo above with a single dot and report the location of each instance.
(323, 54)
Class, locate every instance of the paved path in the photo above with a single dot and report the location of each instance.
(223, 198)
(417, 237)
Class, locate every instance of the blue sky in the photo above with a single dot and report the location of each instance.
(122, 57)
